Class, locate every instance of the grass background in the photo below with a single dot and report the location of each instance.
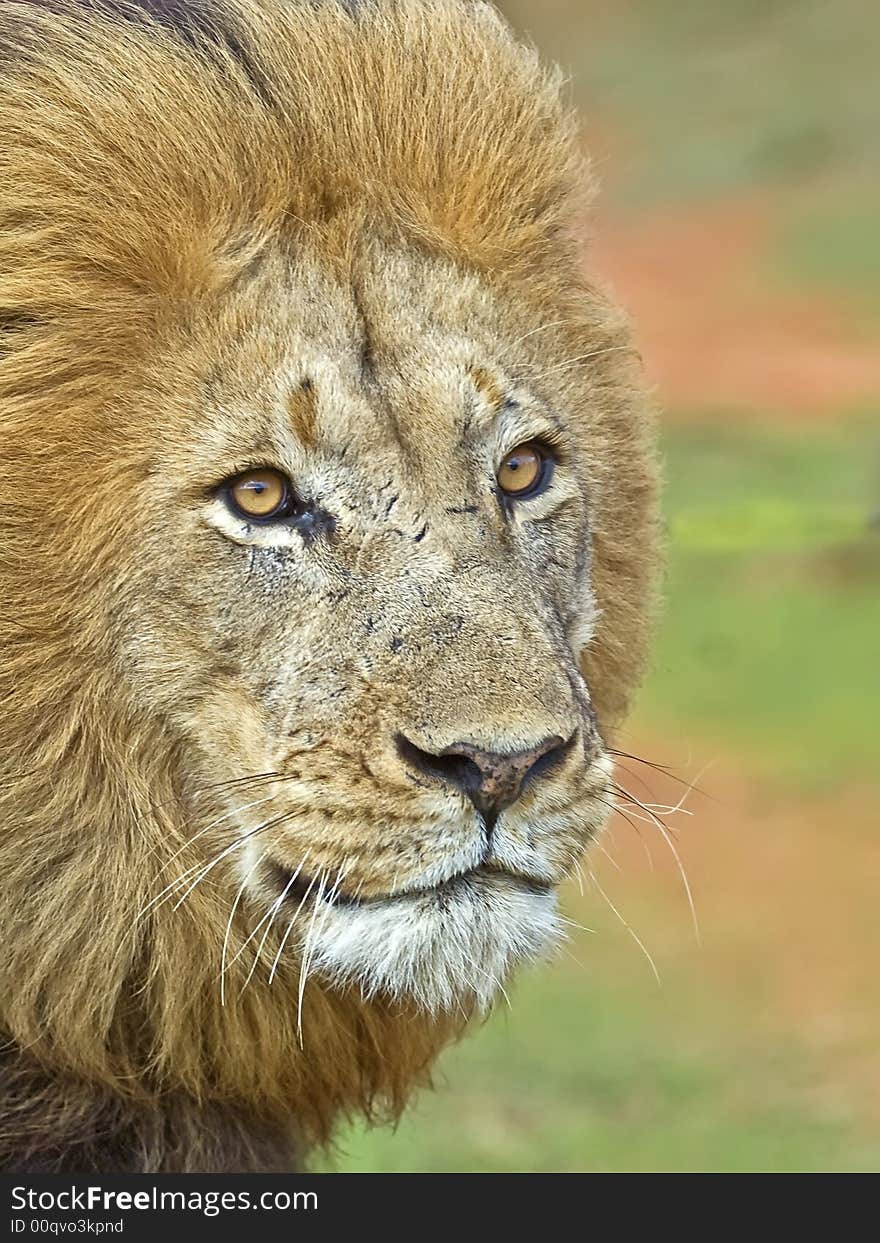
(759, 1049)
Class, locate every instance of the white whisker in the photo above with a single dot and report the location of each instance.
(236, 811)
(631, 932)
(326, 913)
(610, 859)
(571, 923)
(496, 985)
(573, 362)
(557, 323)
(269, 919)
(238, 898)
(240, 841)
(304, 958)
(193, 867)
(661, 828)
(289, 929)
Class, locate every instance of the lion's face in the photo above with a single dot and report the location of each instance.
(328, 516)
(377, 681)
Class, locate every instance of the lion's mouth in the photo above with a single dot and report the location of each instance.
(298, 888)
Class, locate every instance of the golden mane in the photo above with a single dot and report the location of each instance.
(148, 152)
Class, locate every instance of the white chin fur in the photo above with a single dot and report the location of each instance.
(438, 949)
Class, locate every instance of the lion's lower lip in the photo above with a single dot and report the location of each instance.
(297, 887)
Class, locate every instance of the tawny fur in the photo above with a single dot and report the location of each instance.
(158, 194)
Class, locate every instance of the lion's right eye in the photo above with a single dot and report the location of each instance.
(261, 496)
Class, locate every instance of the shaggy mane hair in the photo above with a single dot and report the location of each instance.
(148, 151)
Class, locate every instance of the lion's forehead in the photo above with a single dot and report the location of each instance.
(396, 356)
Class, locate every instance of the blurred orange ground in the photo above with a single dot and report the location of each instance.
(714, 331)
(785, 891)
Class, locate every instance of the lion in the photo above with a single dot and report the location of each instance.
(328, 550)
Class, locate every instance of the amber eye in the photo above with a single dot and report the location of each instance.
(525, 471)
(261, 496)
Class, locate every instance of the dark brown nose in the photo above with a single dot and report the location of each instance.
(492, 780)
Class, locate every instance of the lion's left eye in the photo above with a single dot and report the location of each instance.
(261, 496)
(526, 471)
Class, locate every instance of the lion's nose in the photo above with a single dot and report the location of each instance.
(492, 780)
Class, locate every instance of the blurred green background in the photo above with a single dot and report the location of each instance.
(738, 143)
